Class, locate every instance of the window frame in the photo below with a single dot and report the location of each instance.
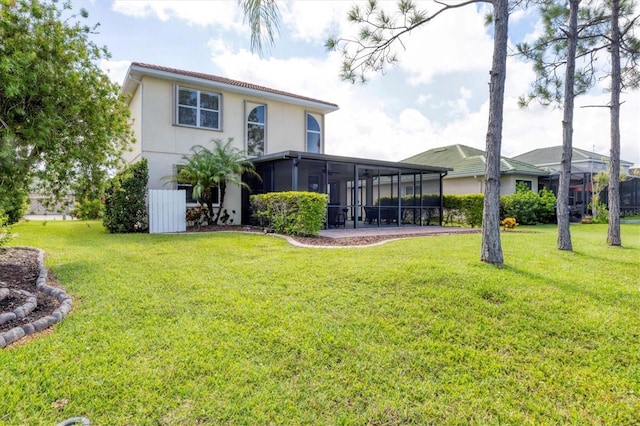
(249, 107)
(315, 132)
(198, 108)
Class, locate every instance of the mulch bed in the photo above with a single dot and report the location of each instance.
(19, 271)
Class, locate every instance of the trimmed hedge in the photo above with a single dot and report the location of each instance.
(464, 208)
(295, 213)
(125, 208)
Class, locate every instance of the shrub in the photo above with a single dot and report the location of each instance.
(602, 213)
(5, 229)
(464, 208)
(87, 210)
(509, 223)
(291, 213)
(529, 208)
(14, 202)
(124, 200)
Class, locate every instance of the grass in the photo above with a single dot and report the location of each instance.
(245, 330)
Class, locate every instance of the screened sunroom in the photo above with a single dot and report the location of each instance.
(361, 192)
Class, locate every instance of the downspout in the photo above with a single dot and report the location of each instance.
(294, 173)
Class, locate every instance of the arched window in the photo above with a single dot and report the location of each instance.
(314, 136)
(256, 126)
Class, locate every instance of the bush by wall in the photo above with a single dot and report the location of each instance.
(125, 207)
(291, 213)
(528, 207)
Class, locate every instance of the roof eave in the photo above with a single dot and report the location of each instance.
(135, 74)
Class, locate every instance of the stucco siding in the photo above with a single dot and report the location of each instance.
(164, 143)
(461, 186)
(135, 108)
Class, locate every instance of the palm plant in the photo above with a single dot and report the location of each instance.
(208, 170)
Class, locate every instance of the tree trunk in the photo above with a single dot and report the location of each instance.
(223, 192)
(491, 245)
(613, 233)
(563, 210)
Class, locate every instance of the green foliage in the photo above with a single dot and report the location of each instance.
(209, 170)
(87, 210)
(602, 213)
(529, 208)
(62, 121)
(464, 208)
(291, 213)
(5, 229)
(13, 199)
(124, 200)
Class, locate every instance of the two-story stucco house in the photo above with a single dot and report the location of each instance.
(173, 110)
(283, 133)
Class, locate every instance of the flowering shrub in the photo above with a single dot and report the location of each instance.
(509, 223)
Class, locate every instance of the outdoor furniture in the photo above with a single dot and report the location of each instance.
(335, 217)
(379, 214)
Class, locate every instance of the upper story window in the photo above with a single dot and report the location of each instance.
(314, 136)
(256, 130)
(198, 109)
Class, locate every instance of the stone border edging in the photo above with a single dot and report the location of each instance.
(21, 311)
(66, 303)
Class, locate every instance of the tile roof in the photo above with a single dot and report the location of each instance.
(468, 161)
(553, 155)
(229, 82)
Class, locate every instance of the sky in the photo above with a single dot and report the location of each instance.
(437, 94)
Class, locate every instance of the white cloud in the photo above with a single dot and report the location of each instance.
(116, 70)
(225, 14)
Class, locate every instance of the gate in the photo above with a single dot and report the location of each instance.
(167, 210)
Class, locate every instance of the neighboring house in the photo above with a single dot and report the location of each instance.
(582, 161)
(284, 134)
(468, 164)
(584, 164)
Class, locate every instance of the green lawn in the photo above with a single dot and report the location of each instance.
(245, 329)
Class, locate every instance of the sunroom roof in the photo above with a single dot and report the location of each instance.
(395, 167)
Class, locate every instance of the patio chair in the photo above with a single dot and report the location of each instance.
(335, 217)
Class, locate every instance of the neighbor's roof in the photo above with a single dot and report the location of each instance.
(468, 161)
(553, 156)
(137, 70)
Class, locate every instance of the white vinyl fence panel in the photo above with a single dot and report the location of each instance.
(167, 210)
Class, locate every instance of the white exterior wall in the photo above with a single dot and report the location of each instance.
(461, 186)
(135, 107)
(164, 144)
(471, 185)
